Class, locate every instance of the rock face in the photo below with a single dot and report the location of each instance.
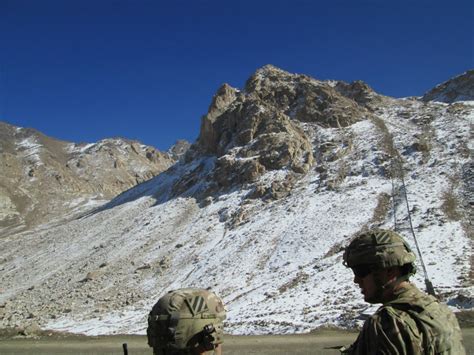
(459, 88)
(303, 98)
(262, 128)
(254, 135)
(42, 178)
(360, 92)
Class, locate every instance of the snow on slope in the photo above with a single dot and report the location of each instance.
(279, 270)
(277, 265)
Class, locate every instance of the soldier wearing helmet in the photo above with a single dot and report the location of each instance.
(187, 321)
(409, 321)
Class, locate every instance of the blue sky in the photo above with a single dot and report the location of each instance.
(82, 70)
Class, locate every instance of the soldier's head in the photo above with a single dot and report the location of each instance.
(379, 259)
(186, 321)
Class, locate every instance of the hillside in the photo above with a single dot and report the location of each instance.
(44, 180)
(283, 173)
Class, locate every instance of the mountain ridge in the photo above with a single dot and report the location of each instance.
(39, 171)
(459, 88)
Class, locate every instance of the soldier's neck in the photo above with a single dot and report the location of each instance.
(392, 292)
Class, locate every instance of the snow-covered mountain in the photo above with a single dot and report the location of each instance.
(283, 173)
(43, 179)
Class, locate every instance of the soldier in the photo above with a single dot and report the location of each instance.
(186, 321)
(409, 321)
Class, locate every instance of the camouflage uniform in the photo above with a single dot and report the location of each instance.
(410, 321)
(186, 321)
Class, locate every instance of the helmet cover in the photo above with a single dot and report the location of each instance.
(380, 248)
(185, 319)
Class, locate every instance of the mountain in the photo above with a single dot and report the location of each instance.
(43, 179)
(259, 208)
(460, 88)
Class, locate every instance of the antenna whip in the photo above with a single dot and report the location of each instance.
(403, 190)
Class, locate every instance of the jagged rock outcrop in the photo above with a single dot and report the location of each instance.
(260, 130)
(459, 88)
(360, 92)
(42, 178)
(304, 98)
(211, 126)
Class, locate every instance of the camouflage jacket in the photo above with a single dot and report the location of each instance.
(412, 323)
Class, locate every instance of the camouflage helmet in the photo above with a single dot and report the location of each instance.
(184, 320)
(379, 247)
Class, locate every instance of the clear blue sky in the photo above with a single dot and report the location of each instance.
(83, 70)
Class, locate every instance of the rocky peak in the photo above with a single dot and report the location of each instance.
(209, 137)
(221, 101)
(249, 137)
(265, 76)
(306, 99)
(260, 129)
(459, 88)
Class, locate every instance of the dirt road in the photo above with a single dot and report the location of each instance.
(317, 343)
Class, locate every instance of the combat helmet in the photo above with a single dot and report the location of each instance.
(380, 248)
(184, 320)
